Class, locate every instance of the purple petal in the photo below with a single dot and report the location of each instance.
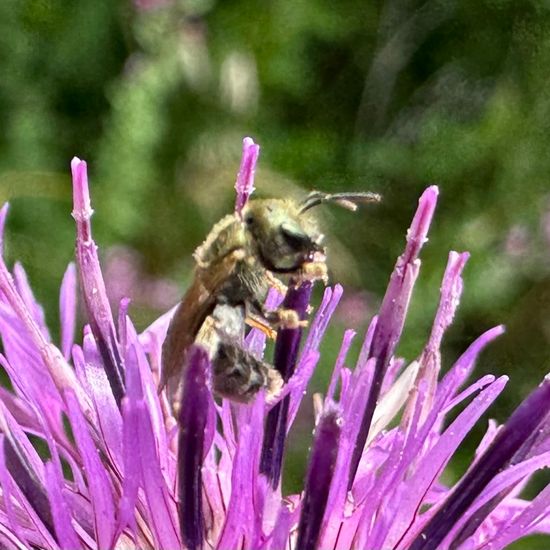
(286, 355)
(394, 368)
(245, 178)
(214, 495)
(11, 490)
(29, 378)
(375, 501)
(451, 290)
(463, 367)
(536, 444)
(146, 452)
(123, 307)
(500, 484)
(309, 356)
(24, 464)
(524, 523)
(3, 216)
(353, 409)
(330, 301)
(147, 389)
(21, 444)
(285, 520)
(153, 336)
(108, 414)
(99, 485)
(319, 478)
(193, 420)
(349, 335)
(58, 368)
(298, 383)
(241, 512)
(77, 354)
(432, 464)
(7, 489)
(67, 310)
(470, 390)
(93, 286)
(26, 293)
(131, 479)
(520, 426)
(364, 354)
(27, 481)
(160, 502)
(10, 540)
(39, 417)
(18, 408)
(288, 340)
(64, 530)
(393, 311)
(430, 360)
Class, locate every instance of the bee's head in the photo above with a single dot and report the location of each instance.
(285, 236)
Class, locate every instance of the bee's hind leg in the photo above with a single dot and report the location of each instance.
(239, 375)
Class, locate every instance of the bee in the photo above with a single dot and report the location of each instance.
(235, 267)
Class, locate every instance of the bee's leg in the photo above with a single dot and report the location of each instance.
(276, 283)
(239, 375)
(315, 270)
(284, 318)
(279, 318)
(262, 324)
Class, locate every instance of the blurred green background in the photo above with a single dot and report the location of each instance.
(388, 96)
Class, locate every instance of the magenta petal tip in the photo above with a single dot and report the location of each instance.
(82, 209)
(3, 216)
(245, 178)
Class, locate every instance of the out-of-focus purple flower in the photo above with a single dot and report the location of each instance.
(517, 242)
(125, 276)
(121, 472)
(356, 309)
(545, 223)
(147, 5)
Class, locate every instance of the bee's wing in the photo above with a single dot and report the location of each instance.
(196, 305)
(188, 318)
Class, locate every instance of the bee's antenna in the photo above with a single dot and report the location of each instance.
(346, 200)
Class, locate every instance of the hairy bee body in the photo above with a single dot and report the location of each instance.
(229, 283)
(235, 268)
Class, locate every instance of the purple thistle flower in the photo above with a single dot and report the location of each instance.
(121, 472)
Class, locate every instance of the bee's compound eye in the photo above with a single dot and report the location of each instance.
(295, 238)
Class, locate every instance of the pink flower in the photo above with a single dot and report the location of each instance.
(121, 472)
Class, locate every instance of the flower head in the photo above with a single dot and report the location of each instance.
(121, 472)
